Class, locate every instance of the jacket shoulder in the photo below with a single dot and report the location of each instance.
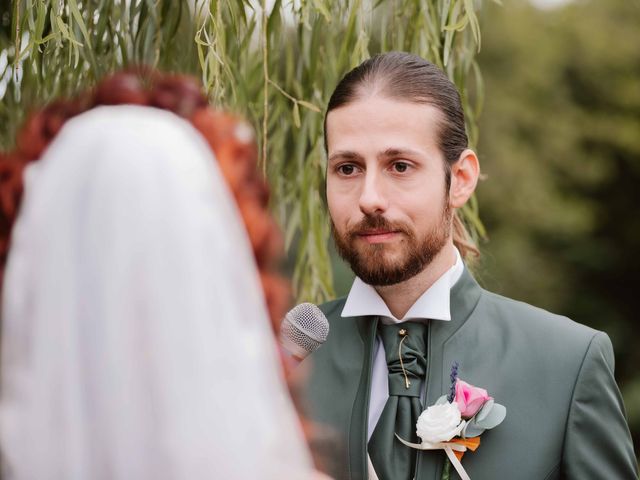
(332, 309)
(537, 324)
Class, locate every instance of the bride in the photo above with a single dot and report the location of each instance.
(136, 340)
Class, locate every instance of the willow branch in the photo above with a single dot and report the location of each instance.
(265, 71)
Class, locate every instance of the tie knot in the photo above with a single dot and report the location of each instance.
(405, 347)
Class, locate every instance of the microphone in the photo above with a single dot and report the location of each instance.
(303, 330)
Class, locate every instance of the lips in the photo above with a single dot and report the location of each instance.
(376, 229)
(375, 232)
(377, 236)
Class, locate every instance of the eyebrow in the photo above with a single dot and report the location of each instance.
(344, 154)
(389, 152)
(396, 152)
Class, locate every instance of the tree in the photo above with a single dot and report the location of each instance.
(276, 66)
(561, 149)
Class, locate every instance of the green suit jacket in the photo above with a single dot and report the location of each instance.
(565, 417)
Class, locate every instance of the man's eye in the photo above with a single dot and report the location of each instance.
(346, 169)
(400, 167)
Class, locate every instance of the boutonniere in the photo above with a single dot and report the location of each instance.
(456, 421)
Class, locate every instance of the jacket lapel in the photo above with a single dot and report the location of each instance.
(367, 327)
(465, 295)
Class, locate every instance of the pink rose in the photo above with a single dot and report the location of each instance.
(470, 399)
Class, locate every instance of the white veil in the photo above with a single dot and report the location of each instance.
(135, 338)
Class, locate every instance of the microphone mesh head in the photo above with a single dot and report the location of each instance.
(304, 329)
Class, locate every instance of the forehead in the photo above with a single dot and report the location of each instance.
(373, 124)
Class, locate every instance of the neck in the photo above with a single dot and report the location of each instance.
(401, 296)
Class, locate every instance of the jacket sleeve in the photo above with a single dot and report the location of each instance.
(597, 441)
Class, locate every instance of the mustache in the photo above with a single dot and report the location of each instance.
(376, 222)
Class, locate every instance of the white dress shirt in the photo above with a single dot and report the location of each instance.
(432, 304)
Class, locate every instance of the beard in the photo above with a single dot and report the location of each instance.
(372, 262)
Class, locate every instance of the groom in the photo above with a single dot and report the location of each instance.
(398, 170)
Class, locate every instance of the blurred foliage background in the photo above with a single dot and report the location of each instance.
(559, 135)
(560, 146)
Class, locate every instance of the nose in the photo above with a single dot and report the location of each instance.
(372, 198)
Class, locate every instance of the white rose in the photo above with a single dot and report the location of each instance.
(440, 423)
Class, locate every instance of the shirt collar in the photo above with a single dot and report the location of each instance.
(432, 304)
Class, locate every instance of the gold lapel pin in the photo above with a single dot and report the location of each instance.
(403, 333)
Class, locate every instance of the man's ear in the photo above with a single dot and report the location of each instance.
(464, 178)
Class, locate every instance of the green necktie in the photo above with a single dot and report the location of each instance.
(405, 347)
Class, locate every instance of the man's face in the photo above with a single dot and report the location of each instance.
(386, 188)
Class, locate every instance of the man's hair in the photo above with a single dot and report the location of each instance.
(407, 77)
